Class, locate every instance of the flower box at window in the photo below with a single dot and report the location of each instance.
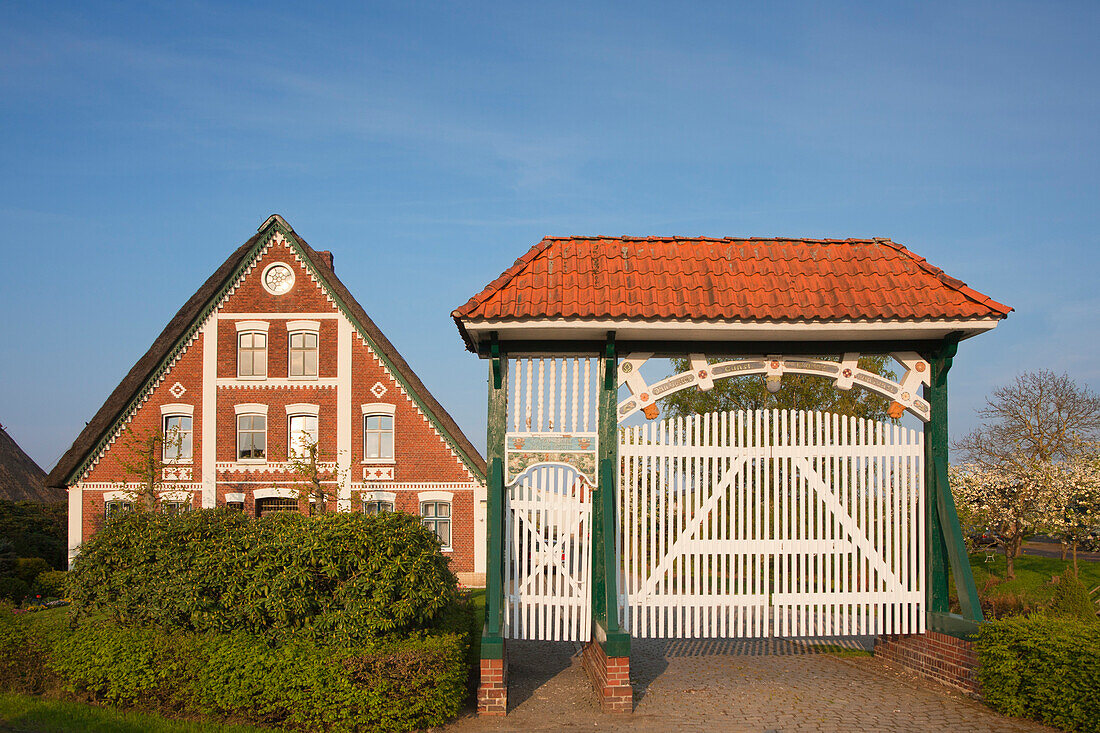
(177, 438)
(436, 516)
(251, 437)
(303, 354)
(377, 507)
(252, 354)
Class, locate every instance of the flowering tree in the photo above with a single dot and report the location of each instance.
(1013, 500)
(1074, 487)
(1024, 469)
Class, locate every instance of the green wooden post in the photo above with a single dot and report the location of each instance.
(605, 590)
(945, 544)
(492, 642)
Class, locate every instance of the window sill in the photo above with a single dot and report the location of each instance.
(379, 461)
(251, 379)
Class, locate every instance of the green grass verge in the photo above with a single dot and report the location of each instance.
(29, 713)
(477, 598)
(1030, 590)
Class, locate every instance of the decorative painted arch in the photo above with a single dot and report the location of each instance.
(845, 375)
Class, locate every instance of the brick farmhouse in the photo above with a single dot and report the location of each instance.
(270, 358)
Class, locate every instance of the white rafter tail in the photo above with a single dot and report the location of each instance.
(917, 372)
(632, 365)
(630, 373)
(699, 366)
(848, 367)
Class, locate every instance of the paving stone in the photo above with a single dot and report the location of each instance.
(694, 685)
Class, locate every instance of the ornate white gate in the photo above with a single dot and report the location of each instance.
(771, 523)
(547, 554)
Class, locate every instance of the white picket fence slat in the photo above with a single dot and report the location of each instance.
(771, 523)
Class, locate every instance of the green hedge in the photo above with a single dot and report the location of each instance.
(33, 529)
(51, 584)
(13, 589)
(389, 684)
(1047, 669)
(347, 578)
(29, 568)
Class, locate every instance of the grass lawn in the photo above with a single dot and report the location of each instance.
(29, 713)
(1031, 589)
(477, 598)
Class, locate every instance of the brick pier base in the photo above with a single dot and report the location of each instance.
(935, 656)
(492, 690)
(611, 678)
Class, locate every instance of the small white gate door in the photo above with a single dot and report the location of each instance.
(547, 551)
(771, 523)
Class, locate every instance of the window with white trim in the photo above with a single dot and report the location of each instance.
(177, 438)
(436, 516)
(117, 507)
(302, 432)
(377, 436)
(274, 504)
(377, 506)
(176, 507)
(303, 354)
(252, 354)
(251, 437)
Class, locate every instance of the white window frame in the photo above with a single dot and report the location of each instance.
(294, 328)
(300, 410)
(122, 498)
(439, 497)
(377, 496)
(380, 409)
(251, 409)
(177, 409)
(251, 328)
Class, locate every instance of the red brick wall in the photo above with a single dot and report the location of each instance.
(146, 420)
(935, 656)
(305, 297)
(492, 690)
(419, 452)
(611, 678)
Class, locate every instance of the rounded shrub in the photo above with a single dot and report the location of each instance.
(1071, 599)
(50, 584)
(340, 576)
(29, 568)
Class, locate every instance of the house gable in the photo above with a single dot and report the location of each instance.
(233, 278)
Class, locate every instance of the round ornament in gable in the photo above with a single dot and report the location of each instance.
(277, 278)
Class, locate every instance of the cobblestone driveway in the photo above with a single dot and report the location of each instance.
(702, 685)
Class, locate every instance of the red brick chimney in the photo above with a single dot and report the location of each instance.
(327, 257)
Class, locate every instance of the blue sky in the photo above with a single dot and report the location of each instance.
(430, 144)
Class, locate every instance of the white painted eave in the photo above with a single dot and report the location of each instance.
(563, 329)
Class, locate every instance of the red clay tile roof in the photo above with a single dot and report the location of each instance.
(702, 279)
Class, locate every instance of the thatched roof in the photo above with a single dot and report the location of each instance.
(20, 477)
(100, 427)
